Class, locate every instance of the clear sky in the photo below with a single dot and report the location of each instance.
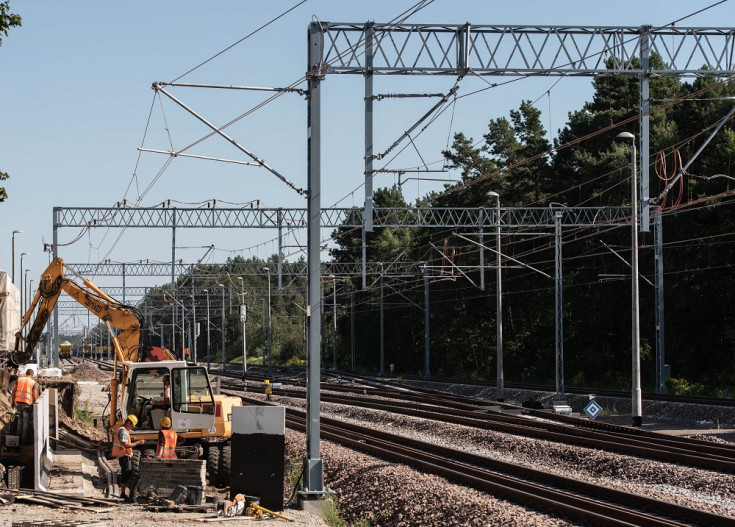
(76, 95)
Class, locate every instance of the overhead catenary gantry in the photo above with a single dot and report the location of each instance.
(371, 49)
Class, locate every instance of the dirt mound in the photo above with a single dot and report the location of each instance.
(6, 412)
(87, 372)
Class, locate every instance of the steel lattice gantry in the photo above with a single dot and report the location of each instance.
(370, 49)
(463, 217)
(173, 218)
(491, 50)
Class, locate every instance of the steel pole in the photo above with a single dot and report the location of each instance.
(636, 403)
(263, 326)
(270, 327)
(659, 262)
(194, 327)
(313, 471)
(382, 329)
(209, 364)
(500, 379)
(352, 330)
(224, 359)
(427, 334)
(334, 323)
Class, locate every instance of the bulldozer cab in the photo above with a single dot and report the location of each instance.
(173, 389)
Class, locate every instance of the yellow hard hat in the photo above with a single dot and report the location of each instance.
(132, 419)
(165, 422)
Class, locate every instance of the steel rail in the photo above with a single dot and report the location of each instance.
(483, 474)
(687, 399)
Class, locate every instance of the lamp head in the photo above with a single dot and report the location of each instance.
(17, 231)
(625, 135)
(267, 269)
(492, 194)
(23, 254)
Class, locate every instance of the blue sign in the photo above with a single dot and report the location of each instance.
(593, 409)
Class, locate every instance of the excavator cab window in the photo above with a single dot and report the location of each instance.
(191, 391)
(146, 385)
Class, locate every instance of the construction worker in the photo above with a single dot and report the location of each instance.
(167, 440)
(164, 403)
(25, 392)
(122, 448)
(23, 396)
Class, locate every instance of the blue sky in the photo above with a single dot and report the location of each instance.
(76, 93)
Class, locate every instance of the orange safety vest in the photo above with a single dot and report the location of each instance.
(118, 450)
(24, 390)
(167, 450)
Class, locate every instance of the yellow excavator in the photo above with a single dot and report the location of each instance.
(200, 417)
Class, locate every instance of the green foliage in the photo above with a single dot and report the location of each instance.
(83, 412)
(610, 412)
(7, 20)
(679, 386)
(3, 193)
(331, 513)
(590, 168)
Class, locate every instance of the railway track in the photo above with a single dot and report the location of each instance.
(563, 496)
(686, 399)
(506, 418)
(612, 438)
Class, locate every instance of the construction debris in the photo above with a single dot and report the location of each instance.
(163, 476)
(238, 506)
(58, 523)
(59, 501)
(154, 503)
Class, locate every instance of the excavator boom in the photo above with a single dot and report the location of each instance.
(51, 284)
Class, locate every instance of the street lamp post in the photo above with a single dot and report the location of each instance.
(21, 285)
(270, 339)
(208, 360)
(636, 406)
(194, 327)
(334, 321)
(16, 231)
(500, 381)
(224, 361)
(183, 334)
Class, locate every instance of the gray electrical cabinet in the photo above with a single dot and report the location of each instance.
(258, 452)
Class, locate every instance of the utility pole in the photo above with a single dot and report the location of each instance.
(209, 364)
(427, 338)
(224, 359)
(334, 322)
(352, 329)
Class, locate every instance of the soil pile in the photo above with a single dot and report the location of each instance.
(87, 372)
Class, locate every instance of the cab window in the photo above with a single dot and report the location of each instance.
(191, 391)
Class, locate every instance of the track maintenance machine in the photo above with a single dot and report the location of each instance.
(200, 417)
